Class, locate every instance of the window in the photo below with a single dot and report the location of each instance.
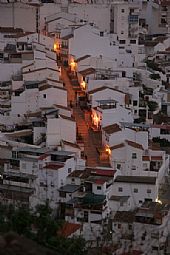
(69, 170)
(120, 189)
(118, 166)
(40, 166)
(148, 191)
(122, 32)
(119, 226)
(123, 10)
(134, 156)
(123, 74)
(140, 201)
(133, 167)
(101, 33)
(122, 41)
(44, 95)
(135, 190)
(133, 41)
(73, 180)
(135, 111)
(130, 226)
(99, 187)
(62, 194)
(135, 102)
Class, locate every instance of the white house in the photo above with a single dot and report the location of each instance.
(61, 128)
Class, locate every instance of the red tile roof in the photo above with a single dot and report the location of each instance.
(68, 229)
(112, 129)
(102, 172)
(103, 88)
(53, 166)
(43, 156)
(135, 145)
(153, 158)
(100, 182)
(145, 158)
(67, 118)
(117, 146)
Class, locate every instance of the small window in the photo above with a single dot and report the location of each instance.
(69, 170)
(119, 226)
(73, 180)
(148, 191)
(130, 226)
(135, 190)
(123, 10)
(62, 194)
(134, 156)
(122, 41)
(44, 96)
(135, 102)
(99, 187)
(101, 33)
(120, 189)
(119, 166)
(134, 168)
(135, 111)
(140, 201)
(133, 41)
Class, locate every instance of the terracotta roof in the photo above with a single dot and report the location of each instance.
(124, 217)
(165, 2)
(67, 118)
(40, 69)
(167, 127)
(68, 229)
(145, 158)
(82, 58)
(47, 86)
(43, 156)
(117, 146)
(49, 79)
(102, 172)
(10, 30)
(76, 173)
(87, 71)
(62, 107)
(74, 145)
(33, 114)
(103, 88)
(135, 145)
(112, 129)
(153, 158)
(53, 166)
(100, 181)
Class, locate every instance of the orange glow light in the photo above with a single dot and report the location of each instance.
(56, 47)
(108, 150)
(83, 85)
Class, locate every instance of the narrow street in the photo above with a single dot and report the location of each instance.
(92, 140)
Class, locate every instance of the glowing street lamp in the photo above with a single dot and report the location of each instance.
(73, 65)
(56, 47)
(107, 149)
(83, 85)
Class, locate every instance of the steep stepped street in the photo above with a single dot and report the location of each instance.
(91, 139)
